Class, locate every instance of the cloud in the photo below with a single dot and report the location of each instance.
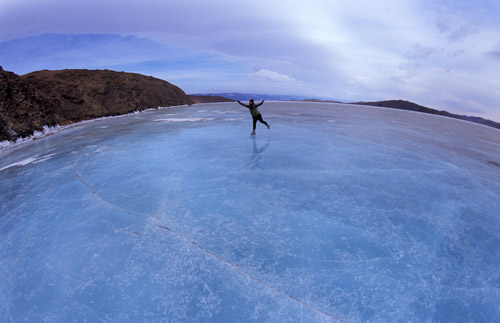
(495, 54)
(56, 51)
(420, 52)
(272, 76)
(455, 28)
(462, 32)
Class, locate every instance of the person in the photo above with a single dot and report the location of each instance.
(256, 116)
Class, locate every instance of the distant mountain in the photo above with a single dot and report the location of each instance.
(31, 101)
(256, 97)
(395, 104)
(208, 98)
(318, 101)
(407, 105)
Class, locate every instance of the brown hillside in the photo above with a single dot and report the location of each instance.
(82, 94)
(22, 109)
(31, 101)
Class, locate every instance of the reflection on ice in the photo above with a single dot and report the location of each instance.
(381, 215)
(257, 153)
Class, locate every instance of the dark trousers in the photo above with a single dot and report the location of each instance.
(258, 118)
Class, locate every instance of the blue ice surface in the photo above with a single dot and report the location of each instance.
(338, 213)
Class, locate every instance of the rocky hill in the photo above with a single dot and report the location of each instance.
(22, 108)
(31, 101)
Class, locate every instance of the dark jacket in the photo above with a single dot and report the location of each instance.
(252, 107)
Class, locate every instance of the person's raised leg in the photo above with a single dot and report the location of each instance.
(262, 121)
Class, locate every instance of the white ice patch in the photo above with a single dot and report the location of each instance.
(43, 158)
(223, 111)
(184, 119)
(28, 161)
(21, 163)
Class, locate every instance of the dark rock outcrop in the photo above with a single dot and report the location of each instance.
(29, 102)
(22, 109)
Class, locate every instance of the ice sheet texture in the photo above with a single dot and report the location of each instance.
(337, 213)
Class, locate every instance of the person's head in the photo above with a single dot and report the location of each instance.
(251, 101)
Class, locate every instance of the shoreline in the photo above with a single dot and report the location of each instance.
(49, 131)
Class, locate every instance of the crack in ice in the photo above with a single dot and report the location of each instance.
(206, 251)
(237, 269)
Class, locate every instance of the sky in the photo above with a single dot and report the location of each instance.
(441, 54)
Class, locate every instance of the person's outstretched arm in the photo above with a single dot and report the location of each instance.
(243, 104)
(259, 104)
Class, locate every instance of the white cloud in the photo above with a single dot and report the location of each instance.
(420, 52)
(272, 76)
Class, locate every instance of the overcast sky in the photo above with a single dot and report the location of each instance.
(444, 54)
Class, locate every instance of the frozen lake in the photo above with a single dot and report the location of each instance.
(338, 213)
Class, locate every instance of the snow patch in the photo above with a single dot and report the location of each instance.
(47, 131)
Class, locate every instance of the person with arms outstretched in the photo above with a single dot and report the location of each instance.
(256, 116)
